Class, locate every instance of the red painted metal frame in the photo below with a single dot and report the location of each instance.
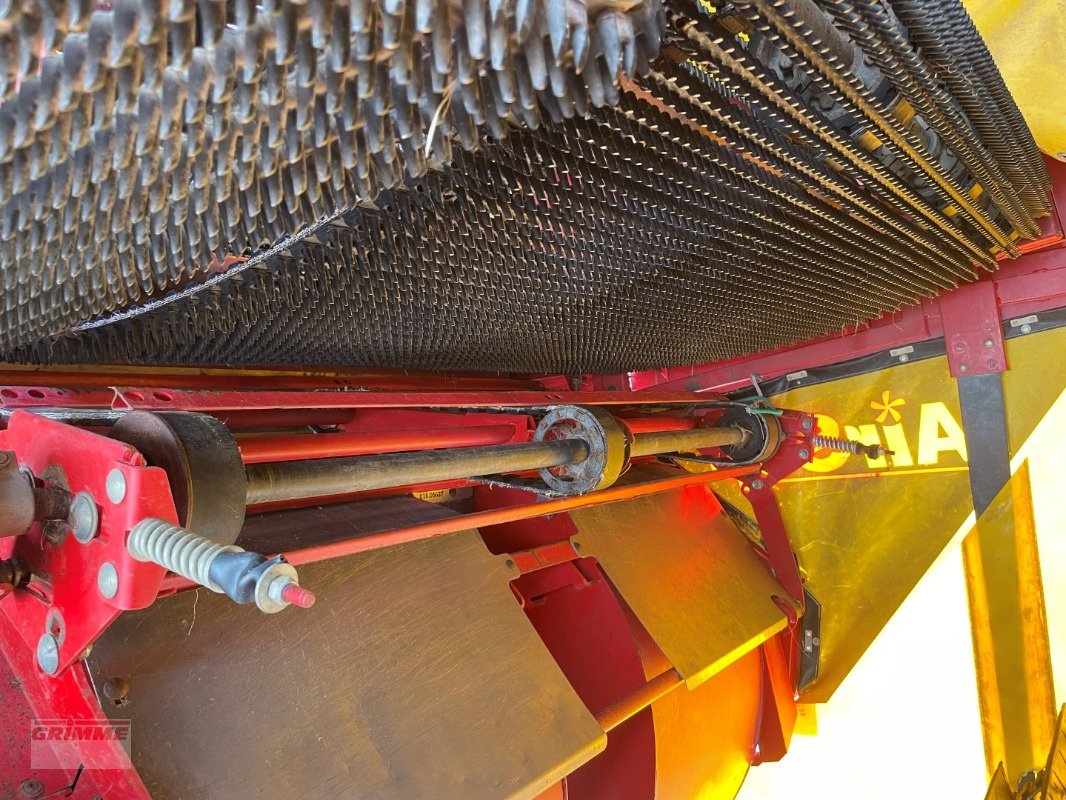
(973, 334)
(66, 574)
(795, 451)
(68, 696)
(211, 402)
(219, 378)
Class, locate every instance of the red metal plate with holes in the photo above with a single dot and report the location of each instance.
(795, 450)
(44, 397)
(67, 573)
(973, 335)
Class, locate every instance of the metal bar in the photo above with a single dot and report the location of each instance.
(104, 377)
(1010, 634)
(649, 424)
(646, 444)
(296, 447)
(500, 516)
(300, 480)
(481, 519)
(984, 420)
(214, 401)
(290, 480)
(632, 704)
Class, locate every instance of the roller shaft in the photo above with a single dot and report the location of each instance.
(301, 480)
(324, 477)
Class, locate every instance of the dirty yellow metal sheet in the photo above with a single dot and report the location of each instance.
(999, 787)
(1010, 634)
(415, 675)
(688, 574)
(1055, 769)
(865, 529)
(1027, 39)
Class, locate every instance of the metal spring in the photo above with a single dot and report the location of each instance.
(840, 445)
(176, 549)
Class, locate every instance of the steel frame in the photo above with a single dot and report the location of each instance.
(378, 411)
(378, 421)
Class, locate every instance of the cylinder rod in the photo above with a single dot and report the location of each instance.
(294, 447)
(658, 423)
(287, 481)
(301, 480)
(684, 441)
(632, 704)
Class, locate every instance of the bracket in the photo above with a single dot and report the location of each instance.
(973, 333)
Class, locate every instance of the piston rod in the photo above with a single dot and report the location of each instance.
(685, 441)
(322, 477)
(314, 478)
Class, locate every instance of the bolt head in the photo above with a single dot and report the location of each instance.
(116, 486)
(115, 689)
(989, 343)
(1027, 328)
(804, 454)
(903, 359)
(963, 368)
(84, 517)
(807, 423)
(757, 484)
(48, 654)
(959, 347)
(107, 580)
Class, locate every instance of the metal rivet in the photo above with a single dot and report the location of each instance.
(84, 517)
(116, 486)
(107, 580)
(757, 484)
(31, 788)
(963, 368)
(989, 343)
(115, 689)
(903, 359)
(959, 347)
(805, 454)
(48, 654)
(53, 623)
(1027, 328)
(807, 423)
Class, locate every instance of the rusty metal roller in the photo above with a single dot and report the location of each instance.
(151, 138)
(188, 182)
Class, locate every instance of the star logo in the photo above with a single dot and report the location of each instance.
(888, 407)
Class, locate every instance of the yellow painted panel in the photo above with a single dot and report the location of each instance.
(866, 531)
(689, 576)
(1010, 635)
